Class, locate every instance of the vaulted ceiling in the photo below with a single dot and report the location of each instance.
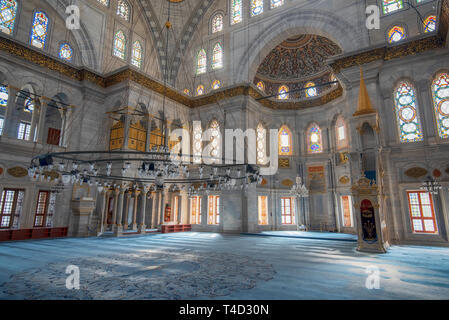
(184, 17)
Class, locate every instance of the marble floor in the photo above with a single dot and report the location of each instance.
(215, 266)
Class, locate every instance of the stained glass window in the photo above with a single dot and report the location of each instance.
(261, 144)
(201, 65)
(8, 12)
(215, 140)
(314, 140)
(29, 105)
(119, 44)
(66, 52)
(409, 124)
(216, 84)
(440, 92)
(389, 6)
(430, 24)
(39, 30)
(4, 96)
(261, 86)
(217, 57)
(312, 91)
(263, 210)
(396, 34)
(2, 122)
(200, 90)
(236, 11)
(186, 91)
(283, 93)
(104, 2)
(123, 9)
(195, 210)
(256, 7)
(217, 23)
(276, 3)
(137, 53)
(285, 141)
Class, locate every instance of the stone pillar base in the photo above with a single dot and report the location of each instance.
(117, 230)
(142, 229)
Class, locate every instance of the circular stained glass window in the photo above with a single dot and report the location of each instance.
(443, 93)
(444, 108)
(406, 100)
(409, 127)
(407, 114)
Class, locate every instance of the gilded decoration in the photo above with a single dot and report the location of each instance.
(18, 172)
(344, 157)
(365, 187)
(317, 179)
(344, 180)
(284, 163)
(287, 183)
(416, 172)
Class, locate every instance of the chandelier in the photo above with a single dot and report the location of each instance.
(431, 186)
(299, 189)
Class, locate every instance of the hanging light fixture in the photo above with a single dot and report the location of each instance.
(299, 189)
(431, 186)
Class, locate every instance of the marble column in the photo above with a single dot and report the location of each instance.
(136, 198)
(126, 215)
(159, 207)
(143, 204)
(41, 126)
(63, 113)
(34, 120)
(114, 213)
(8, 124)
(103, 211)
(119, 228)
(154, 207)
(105, 217)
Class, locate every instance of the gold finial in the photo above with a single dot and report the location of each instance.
(364, 105)
(168, 24)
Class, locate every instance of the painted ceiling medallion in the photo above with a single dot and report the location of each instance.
(416, 172)
(18, 172)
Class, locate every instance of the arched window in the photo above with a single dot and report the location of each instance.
(39, 30)
(440, 92)
(201, 64)
(261, 86)
(123, 9)
(197, 141)
(215, 133)
(119, 45)
(8, 12)
(430, 24)
(104, 2)
(217, 57)
(200, 90)
(29, 105)
(409, 124)
(217, 23)
(341, 133)
(285, 141)
(216, 84)
(276, 3)
(261, 144)
(389, 6)
(256, 7)
(236, 11)
(396, 34)
(186, 91)
(314, 139)
(4, 96)
(283, 93)
(66, 52)
(137, 53)
(311, 91)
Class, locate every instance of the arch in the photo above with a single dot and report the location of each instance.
(341, 133)
(217, 57)
(217, 22)
(430, 23)
(283, 92)
(314, 139)
(261, 86)
(200, 90)
(285, 141)
(216, 84)
(296, 21)
(407, 112)
(311, 90)
(124, 10)
(119, 45)
(137, 54)
(236, 11)
(440, 95)
(201, 62)
(256, 7)
(65, 52)
(396, 33)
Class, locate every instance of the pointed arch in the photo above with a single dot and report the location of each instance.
(200, 90)
(314, 139)
(39, 30)
(440, 94)
(236, 11)
(407, 113)
(430, 24)
(217, 23)
(119, 49)
(283, 92)
(8, 13)
(201, 62)
(261, 86)
(396, 34)
(341, 133)
(285, 141)
(65, 52)
(137, 54)
(256, 7)
(124, 9)
(217, 57)
(311, 90)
